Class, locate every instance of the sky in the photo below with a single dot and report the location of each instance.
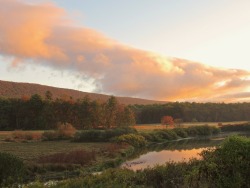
(163, 49)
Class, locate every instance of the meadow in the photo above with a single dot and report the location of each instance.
(76, 156)
(157, 126)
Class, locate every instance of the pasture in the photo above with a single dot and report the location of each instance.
(31, 150)
(150, 127)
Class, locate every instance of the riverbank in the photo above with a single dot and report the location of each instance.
(107, 154)
(225, 166)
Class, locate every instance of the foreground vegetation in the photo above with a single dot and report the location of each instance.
(67, 153)
(60, 154)
(225, 166)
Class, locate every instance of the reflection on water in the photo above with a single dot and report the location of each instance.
(159, 158)
(159, 154)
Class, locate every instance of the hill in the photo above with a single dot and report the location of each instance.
(18, 90)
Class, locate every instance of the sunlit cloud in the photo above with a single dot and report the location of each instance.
(42, 34)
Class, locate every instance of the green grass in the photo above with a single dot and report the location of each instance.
(32, 150)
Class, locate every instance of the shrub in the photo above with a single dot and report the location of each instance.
(164, 134)
(236, 127)
(204, 130)
(181, 132)
(63, 131)
(12, 170)
(102, 135)
(89, 136)
(170, 135)
(215, 130)
(228, 165)
(151, 137)
(132, 139)
(192, 131)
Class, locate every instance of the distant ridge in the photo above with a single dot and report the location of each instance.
(18, 90)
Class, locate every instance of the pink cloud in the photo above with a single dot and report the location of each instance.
(41, 33)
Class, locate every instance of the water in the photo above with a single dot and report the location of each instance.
(175, 151)
(159, 158)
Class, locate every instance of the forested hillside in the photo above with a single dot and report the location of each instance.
(26, 90)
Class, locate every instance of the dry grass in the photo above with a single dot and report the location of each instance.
(19, 135)
(33, 150)
(81, 157)
(23, 135)
(112, 149)
(150, 127)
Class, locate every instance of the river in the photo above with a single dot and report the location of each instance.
(176, 151)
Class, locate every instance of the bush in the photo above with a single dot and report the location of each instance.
(102, 135)
(89, 136)
(181, 132)
(236, 127)
(132, 139)
(12, 170)
(63, 132)
(173, 134)
(228, 165)
(151, 137)
(170, 135)
(204, 130)
(192, 131)
(160, 135)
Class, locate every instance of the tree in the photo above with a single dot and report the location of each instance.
(110, 112)
(125, 116)
(48, 95)
(36, 105)
(167, 120)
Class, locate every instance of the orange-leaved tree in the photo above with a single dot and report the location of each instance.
(167, 120)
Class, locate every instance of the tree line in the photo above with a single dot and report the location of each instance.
(45, 113)
(36, 113)
(192, 112)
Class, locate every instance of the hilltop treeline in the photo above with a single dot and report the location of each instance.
(44, 113)
(36, 114)
(192, 112)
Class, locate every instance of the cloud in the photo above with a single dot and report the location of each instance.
(42, 34)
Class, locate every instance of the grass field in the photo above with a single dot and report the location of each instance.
(32, 150)
(70, 157)
(150, 127)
